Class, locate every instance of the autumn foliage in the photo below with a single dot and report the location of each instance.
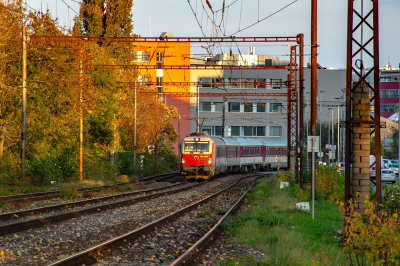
(63, 84)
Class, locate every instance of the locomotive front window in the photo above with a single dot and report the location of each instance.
(197, 146)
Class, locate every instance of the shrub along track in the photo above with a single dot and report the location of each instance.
(165, 239)
(43, 245)
(30, 197)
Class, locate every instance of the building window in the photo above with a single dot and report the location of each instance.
(141, 56)
(260, 107)
(212, 130)
(160, 59)
(234, 107)
(275, 131)
(276, 86)
(217, 131)
(144, 81)
(260, 131)
(261, 86)
(219, 107)
(235, 131)
(248, 131)
(388, 108)
(159, 81)
(206, 129)
(389, 93)
(275, 108)
(205, 106)
(206, 82)
(248, 107)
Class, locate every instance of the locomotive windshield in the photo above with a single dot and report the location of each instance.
(198, 146)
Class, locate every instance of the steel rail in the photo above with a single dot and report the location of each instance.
(196, 249)
(87, 257)
(57, 207)
(57, 218)
(54, 194)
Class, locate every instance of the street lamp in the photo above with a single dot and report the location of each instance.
(338, 128)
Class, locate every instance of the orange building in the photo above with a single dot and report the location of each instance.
(158, 61)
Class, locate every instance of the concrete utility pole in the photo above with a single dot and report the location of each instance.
(23, 134)
(134, 134)
(81, 124)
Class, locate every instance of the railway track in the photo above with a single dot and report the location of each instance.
(30, 197)
(124, 248)
(127, 199)
(44, 245)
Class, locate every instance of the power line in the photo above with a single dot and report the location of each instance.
(265, 17)
(70, 7)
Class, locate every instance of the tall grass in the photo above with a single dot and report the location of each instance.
(287, 236)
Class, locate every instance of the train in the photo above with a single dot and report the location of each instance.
(203, 157)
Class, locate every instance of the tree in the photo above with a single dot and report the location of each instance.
(394, 145)
(107, 18)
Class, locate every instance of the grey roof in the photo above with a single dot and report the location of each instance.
(248, 141)
(231, 141)
(273, 142)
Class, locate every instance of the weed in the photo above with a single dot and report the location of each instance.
(242, 261)
(126, 187)
(2, 204)
(193, 196)
(70, 193)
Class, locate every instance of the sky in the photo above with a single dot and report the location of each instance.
(151, 17)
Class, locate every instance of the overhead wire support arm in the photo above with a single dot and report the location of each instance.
(179, 67)
(293, 39)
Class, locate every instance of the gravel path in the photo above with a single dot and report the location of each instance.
(54, 242)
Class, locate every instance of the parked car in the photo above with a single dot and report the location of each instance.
(372, 172)
(388, 175)
(394, 168)
(385, 163)
(394, 161)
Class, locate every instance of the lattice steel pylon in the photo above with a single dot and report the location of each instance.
(292, 114)
(358, 94)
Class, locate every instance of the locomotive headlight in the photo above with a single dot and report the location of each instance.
(183, 160)
(210, 160)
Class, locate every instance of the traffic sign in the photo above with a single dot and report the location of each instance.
(313, 144)
(320, 154)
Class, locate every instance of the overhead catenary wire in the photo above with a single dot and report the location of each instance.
(240, 30)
